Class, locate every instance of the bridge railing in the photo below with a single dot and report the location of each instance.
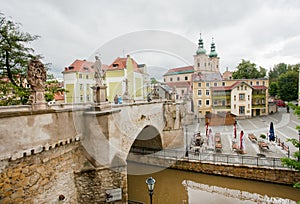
(216, 158)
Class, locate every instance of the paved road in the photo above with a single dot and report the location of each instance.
(284, 125)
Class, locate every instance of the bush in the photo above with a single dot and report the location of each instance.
(263, 136)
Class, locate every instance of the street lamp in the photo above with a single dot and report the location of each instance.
(299, 145)
(150, 182)
(186, 143)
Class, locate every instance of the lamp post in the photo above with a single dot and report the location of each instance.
(150, 183)
(299, 145)
(186, 143)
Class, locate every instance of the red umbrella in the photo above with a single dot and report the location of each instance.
(234, 129)
(241, 140)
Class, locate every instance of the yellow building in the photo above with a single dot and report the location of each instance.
(78, 80)
(124, 74)
(128, 79)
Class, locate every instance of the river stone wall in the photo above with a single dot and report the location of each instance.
(269, 174)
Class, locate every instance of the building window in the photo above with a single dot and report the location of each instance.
(245, 87)
(242, 97)
(164, 79)
(207, 92)
(178, 78)
(171, 79)
(248, 97)
(80, 76)
(207, 84)
(235, 97)
(198, 64)
(186, 78)
(199, 92)
(215, 84)
(182, 92)
(80, 86)
(238, 88)
(87, 76)
(199, 102)
(199, 84)
(257, 83)
(263, 82)
(88, 97)
(234, 106)
(242, 110)
(242, 87)
(251, 83)
(248, 106)
(223, 83)
(207, 102)
(87, 87)
(81, 98)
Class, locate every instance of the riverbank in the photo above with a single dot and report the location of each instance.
(267, 174)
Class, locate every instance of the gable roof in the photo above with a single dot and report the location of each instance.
(120, 63)
(180, 70)
(82, 66)
(226, 88)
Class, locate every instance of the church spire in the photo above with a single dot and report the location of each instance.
(213, 52)
(201, 49)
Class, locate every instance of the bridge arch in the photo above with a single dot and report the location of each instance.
(149, 137)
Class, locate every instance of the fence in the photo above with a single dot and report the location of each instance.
(216, 158)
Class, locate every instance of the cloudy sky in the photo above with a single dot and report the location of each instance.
(162, 34)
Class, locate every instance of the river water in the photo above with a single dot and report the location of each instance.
(174, 186)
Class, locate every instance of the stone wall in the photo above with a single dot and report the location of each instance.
(40, 178)
(93, 183)
(275, 175)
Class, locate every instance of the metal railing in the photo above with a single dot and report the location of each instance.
(216, 158)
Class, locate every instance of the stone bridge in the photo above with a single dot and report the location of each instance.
(74, 154)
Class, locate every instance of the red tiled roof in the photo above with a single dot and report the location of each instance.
(59, 96)
(179, 84)
(180, 70)
(120, 63)
(225, 88)
(259, 87)
(82, 66)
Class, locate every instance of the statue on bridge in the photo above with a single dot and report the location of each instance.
(36, 78)
(99, 72)
(99, 88)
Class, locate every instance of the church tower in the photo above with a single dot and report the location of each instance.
(213, 58)
(203, 62)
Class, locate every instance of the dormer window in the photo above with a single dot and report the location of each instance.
(115, 65)
(85, 68)
(71, 67)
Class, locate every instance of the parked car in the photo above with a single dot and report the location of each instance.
(280, 103)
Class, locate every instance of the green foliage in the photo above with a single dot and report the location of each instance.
(288, 86)
(14, 56)
(248, 70)
(13, 95)
(294, 162)
(273, 89)
(277, 71)
(14, 50)
(153, 80)
(263, 136)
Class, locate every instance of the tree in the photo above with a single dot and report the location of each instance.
(288, 86)
(15, 54)
(153, 80)
(273, 89)
(275, 72)
(248, 70)
(295, 163)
